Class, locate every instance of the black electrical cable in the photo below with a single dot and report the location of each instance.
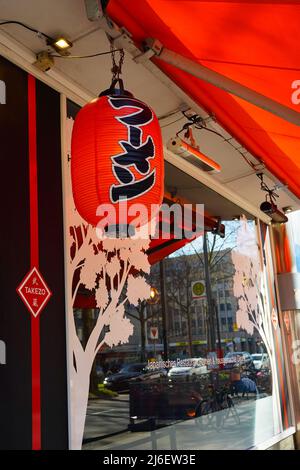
(210, 130)
(83, 56)
(49, 38)
(171, 113)
(197, 121)
(19, 23)
(264, 187)
(251, 164)
(173, 122)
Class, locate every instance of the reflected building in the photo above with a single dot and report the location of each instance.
(181, 272)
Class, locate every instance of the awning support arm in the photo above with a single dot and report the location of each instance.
(153, 47)
(223, 82)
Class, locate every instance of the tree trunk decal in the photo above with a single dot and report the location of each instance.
(104, 267)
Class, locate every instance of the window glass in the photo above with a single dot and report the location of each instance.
(205, 379)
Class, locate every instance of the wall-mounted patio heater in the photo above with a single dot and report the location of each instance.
(192, 155)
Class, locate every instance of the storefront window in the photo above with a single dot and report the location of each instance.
(193, 375)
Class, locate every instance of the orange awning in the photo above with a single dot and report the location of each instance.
(255, 43)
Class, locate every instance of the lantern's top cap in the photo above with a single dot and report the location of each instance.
(116, 92)
(113, 91)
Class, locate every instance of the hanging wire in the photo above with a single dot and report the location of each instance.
(29, 28)
(264, 187)
(83, 56)
(198, 122)
(169, 114)
(116, 69)
(170, 123)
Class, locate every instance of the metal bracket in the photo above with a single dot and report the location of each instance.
(44, 61)
(143, 57)
(154, 45)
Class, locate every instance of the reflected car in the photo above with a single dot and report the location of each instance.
(189, 369)
(261, 361)
(238, 358)
(131, 373)
(100, 373)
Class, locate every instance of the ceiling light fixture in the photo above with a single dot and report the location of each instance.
(60, 44)
(287, 209)
(192, 154)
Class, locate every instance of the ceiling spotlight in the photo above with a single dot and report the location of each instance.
(236, 217)
(287, 209)
(266, 207)
(272, 211)
(60, 44)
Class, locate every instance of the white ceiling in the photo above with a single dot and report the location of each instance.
(68, 17)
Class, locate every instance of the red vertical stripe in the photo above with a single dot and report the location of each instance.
(33, 190)
(36, 384)
(34, 261)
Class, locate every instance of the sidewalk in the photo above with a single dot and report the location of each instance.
(256, 426)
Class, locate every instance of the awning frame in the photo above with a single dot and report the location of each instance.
(226, 84)
(154, 48)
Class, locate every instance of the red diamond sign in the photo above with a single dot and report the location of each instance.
(34, 292)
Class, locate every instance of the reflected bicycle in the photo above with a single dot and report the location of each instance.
(216, 410)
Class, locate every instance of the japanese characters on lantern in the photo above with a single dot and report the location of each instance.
(117, 160)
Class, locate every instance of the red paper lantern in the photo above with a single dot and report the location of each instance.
(116, 157)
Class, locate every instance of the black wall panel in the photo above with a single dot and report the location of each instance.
(15, 375)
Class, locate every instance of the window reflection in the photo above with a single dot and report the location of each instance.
(216, 367)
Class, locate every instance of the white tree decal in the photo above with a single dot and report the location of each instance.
(249, 288)
(113, 271)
